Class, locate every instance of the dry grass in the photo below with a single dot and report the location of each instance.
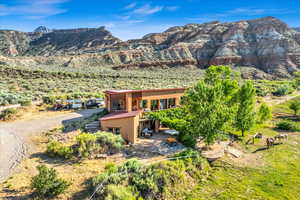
(76, 172)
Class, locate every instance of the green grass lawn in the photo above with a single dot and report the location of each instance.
(274, 176)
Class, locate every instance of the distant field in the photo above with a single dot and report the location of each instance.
(37, 82)
(34, 82)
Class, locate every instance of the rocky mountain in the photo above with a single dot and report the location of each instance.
(42, 29)
(297, 29)
(56, 42)
(266, 44)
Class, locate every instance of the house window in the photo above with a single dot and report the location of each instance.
(163, 104)
(154, 104)
(144, 104)
(171, 103)
(116, 131)
(110, 130)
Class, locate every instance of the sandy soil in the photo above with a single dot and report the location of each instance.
(14, 136)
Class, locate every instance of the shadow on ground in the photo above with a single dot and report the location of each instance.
(289, 117)
(55, 161)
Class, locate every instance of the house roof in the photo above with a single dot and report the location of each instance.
(149, 90)
(120, 115)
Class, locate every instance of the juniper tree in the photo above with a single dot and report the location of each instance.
(295, 106)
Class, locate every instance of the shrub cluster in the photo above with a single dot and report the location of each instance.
(51, 99)
(87, 145)
(286, 126)
(283, 90)
(57, 149)
(8, 114)
(47, 184)
(157, 181)
(109, 142)
(8, 98)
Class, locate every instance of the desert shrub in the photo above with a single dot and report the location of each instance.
(86, 144)
(48, 99)
(8, 114)
(25, 102)
(114, 192)
(286, 125)
(283, 90)
(262, 91)
(109, 142)
(155, 181)
(47, 184)
(57, 149)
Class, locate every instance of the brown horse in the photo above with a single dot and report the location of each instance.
(270, 142)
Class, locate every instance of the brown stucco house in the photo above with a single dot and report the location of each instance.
(126, 108)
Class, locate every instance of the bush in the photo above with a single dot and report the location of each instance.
(86, 144)
(49, 99)
(47, 184)
(109, 142)
(156, 181)
(114, 192)
(25, 102)
(57, 149)
(285, 125)
(8, 114)
(283, 90)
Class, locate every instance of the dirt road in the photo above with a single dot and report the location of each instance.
(14, 136)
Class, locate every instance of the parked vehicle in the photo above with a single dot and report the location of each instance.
(94, 103)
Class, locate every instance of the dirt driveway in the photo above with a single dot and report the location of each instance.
(14, 136)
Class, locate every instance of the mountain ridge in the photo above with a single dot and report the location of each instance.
(267, 44)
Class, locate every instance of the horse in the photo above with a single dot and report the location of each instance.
(270, 142)
(281, 136)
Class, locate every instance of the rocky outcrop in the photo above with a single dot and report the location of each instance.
(266, 44)
(42, 29)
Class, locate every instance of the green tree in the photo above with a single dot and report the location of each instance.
(295, 106)
(47, 184)
(207, 108)
(211, 103)
(264, 113)
(245, 117)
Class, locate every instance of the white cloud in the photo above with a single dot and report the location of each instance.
(34, 9)
(130, 6)
(109, 25)
(147, 10)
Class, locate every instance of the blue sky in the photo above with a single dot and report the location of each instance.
(128, 19)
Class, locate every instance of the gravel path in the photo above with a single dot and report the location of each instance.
(14, 137)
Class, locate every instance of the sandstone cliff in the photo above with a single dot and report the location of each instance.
(267, 44)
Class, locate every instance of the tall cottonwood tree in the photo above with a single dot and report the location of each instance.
(210, 103)
(245, 116)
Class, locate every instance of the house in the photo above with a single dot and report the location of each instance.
(126, 109)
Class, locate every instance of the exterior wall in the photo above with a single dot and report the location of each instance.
(128, 127)
(162, 94)
(128, 102)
